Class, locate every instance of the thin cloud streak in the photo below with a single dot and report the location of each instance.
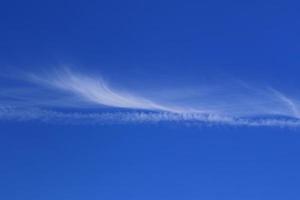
(96, 91)
(289, 102)
(138, 117)
(65, 89)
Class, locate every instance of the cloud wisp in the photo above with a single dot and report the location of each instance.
(96, 91)
(138, 117)
(235, 106)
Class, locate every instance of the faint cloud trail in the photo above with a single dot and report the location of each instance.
(290, 104)
(139, 117)
(236, 106)
(97, 91)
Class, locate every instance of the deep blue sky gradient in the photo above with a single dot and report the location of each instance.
(142, 43)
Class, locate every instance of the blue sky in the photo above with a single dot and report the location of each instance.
(149, 99)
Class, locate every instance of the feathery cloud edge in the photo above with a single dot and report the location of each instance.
(97, 92)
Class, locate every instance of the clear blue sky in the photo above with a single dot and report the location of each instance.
(234, 61)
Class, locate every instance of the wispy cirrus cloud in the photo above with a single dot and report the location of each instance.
(290, 104)
(238, 105)
(133, 117)
(96, 91)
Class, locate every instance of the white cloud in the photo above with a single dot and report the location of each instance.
(238, 105)
(96, 91)
(118, 117)
(291, 105)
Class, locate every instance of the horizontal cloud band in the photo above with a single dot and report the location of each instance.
(234, 106)
(117, 117)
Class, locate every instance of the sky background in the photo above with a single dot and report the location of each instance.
(149, 51)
